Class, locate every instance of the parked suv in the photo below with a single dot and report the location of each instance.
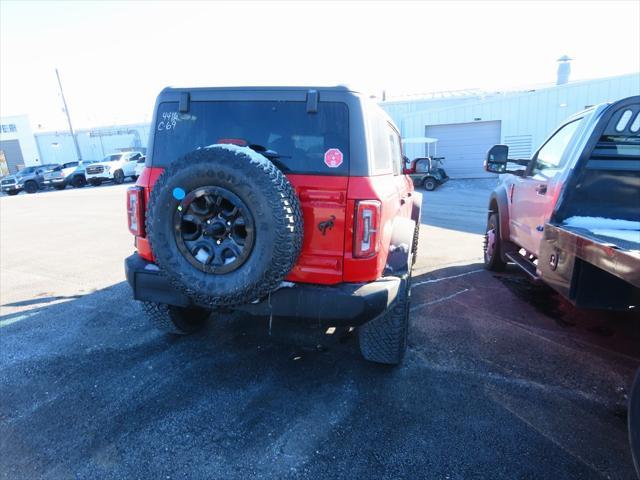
(113, 168)
(286, 202)
(29, 179)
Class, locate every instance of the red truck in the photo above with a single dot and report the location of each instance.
(570, 215)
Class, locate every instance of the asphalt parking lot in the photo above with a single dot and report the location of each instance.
(502, 379)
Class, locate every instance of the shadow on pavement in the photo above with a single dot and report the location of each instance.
(39, 300)
(90, 391)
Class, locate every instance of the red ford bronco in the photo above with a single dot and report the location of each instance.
(285, 202)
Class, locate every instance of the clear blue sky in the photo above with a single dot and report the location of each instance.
(114, 57)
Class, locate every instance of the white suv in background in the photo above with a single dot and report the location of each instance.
(114, 167)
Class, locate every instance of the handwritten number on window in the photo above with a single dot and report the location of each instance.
(168, 122)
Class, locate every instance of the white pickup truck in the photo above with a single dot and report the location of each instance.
(113, 168)
(570, 215)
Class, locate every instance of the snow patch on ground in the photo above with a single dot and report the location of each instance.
(601, 223)
(253, 155)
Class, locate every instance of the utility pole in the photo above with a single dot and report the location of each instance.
(66, 111)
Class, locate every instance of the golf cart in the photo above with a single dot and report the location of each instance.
(425, 171)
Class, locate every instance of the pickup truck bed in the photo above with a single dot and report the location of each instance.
(590, 247)
(592, 271)
(614, 241)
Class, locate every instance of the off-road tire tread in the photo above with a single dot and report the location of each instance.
(416, 240)
(384, 339)
(287, 246)
(166, 318)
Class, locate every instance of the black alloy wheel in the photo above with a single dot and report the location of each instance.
(215, 230)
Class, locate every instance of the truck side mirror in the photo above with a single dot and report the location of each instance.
(406, 165)
(496, 161)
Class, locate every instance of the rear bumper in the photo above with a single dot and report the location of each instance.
(346, 304)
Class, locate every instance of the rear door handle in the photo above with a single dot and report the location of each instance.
(541, 189)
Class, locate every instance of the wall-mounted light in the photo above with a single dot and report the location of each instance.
(55, 145)
(477, 119)
(562, 105)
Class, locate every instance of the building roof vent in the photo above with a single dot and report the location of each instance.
(564, 70)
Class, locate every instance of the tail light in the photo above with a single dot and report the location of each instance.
(135, 210)
(366, 228)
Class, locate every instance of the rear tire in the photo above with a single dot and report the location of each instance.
(384, 339)
(176, 320)
(493, 245)
(429, 184)
(31, 187)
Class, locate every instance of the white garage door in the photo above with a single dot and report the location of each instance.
(464, 146)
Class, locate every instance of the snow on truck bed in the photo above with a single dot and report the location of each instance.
(626, 230)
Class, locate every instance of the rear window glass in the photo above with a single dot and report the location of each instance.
(311, 143)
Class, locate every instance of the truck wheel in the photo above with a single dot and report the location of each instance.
(384, 339)
(493, 245)
(78, 182)
(31, 187)
(118, 177)
(429, 184)
(225, 225)
(173, 319)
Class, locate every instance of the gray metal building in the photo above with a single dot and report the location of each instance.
(467, 124)
(17, 147)
(95, 143)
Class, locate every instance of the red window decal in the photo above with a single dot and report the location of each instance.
(333, 158)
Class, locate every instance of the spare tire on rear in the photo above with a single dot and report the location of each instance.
(225, 225)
